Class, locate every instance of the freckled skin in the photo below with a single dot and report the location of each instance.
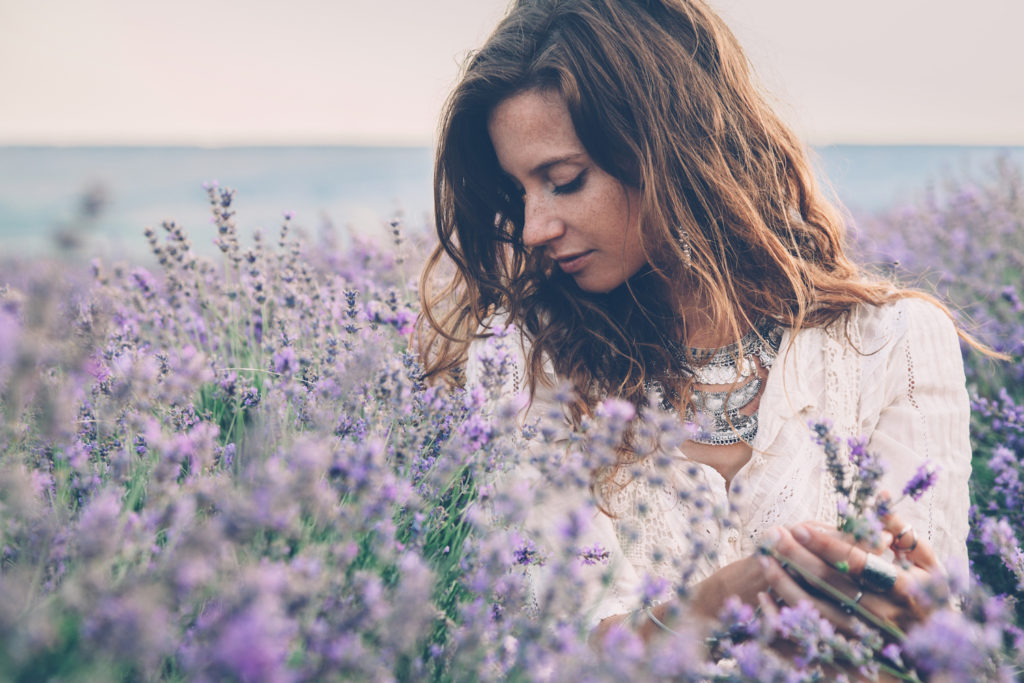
(600, 216)
(572, 206)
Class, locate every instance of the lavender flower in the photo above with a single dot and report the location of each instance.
(527, 554)
(924, 478)
(949, 645)
(284, 361)
(856, 488)
(240, 471)
(999, 539)
(594, 554)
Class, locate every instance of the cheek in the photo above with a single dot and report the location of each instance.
(632, 226)
(619, 213)
(637, 257)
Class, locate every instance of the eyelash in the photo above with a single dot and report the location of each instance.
(572, 186)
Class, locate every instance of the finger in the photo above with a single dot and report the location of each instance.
(768, 606)
(884, 542)
(777, 599)
(837, 573)
(798, 554)
(909, 544)
(839, 553)
(887, 607)
(790, 591)
(900, 603)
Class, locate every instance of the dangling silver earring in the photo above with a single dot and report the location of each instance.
(684, 244)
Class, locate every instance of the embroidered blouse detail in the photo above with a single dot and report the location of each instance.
(891, 373)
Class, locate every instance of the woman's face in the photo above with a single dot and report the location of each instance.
(582, 218)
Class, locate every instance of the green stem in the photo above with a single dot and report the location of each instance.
(837, 595)
(891, 629)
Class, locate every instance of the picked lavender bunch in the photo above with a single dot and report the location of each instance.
(860, 505)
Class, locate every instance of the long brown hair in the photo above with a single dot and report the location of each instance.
(662, 98)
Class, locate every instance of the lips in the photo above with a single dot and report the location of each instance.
(573, 263)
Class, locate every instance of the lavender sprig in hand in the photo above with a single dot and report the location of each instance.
(861, 509)
(860, 506)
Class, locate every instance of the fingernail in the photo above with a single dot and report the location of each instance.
(800, 533)
(764, 561)
(772, 536)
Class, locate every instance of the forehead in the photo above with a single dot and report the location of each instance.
(531, 128)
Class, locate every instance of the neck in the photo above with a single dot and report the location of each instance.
(703, 332)
(702, 328)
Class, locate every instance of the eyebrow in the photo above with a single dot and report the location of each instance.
(540, 168)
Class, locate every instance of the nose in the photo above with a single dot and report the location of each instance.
(540, 223)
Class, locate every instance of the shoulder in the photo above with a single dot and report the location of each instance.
(878, 330)
(907, 348)
(869, 334)
(899, 318)
(871, 352)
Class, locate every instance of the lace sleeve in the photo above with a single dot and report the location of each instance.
(571, 553)
(922, 413)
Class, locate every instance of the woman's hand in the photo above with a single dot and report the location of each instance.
(856, 571)
(817, 549)
(748, 577)
(743, 578)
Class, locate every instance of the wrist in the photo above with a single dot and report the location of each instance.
(707, 598)
(661, 617)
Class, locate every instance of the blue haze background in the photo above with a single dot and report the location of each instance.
(354, 188)
(149, 100)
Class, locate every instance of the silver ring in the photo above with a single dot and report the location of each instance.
(903, 532)
(776, 598)
(848, 606)
(878, 575)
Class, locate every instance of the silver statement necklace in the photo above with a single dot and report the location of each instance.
(718, 412)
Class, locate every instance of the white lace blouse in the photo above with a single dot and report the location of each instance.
(893, 375)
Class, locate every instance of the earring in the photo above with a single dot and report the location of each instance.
(684, 244)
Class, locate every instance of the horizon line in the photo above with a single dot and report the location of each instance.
(373, 144)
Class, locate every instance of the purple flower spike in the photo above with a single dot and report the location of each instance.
(285, 361)
(595, 554)
(922, 480)
(527, 554)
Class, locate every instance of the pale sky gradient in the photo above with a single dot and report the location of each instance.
(221, 72)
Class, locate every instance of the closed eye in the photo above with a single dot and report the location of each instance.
(572, 186)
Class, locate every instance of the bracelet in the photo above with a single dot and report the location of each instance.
(711, 641)
(657, 622)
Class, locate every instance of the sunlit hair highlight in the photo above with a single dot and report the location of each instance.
(662, 98)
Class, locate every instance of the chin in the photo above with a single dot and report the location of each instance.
(605, 285)
(597, 286)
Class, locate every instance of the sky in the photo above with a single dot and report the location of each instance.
(229, 72)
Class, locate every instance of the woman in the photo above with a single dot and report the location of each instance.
(610, 183)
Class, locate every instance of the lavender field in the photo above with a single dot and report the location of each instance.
(233, 470)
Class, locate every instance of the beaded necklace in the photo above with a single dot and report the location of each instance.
(718, 412)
